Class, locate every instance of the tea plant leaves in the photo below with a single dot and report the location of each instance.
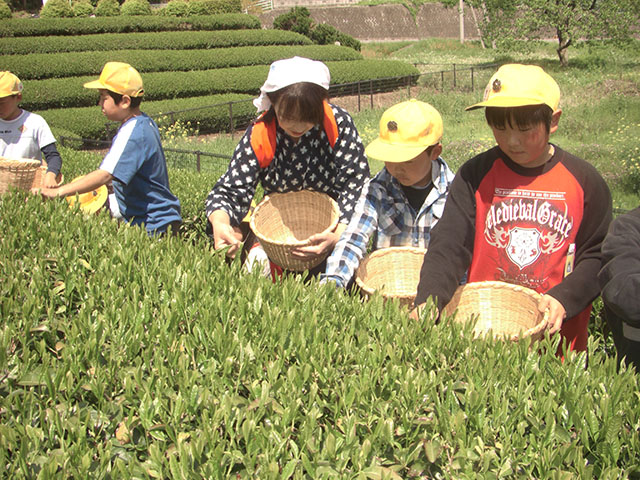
(132, 357)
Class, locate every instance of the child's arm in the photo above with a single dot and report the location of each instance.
(54, 164)
(578, 289)
(451, 245)
(85, 184)
(620, 274)
(352, 245)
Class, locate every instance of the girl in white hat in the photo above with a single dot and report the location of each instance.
(300, 142)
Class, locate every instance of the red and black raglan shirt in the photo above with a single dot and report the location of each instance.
(514, 224)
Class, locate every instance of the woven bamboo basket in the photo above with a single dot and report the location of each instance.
(17, 174)
(394, 272)
(508, 311)
(284, 221)
(38, 178)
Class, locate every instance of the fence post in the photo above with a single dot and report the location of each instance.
(359, 83)
(231, 119)
(198, 161)
(442, 80)
(454, 76)
(371, 92)
(472, 80)
(409, 86)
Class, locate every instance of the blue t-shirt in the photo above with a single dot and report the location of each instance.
(141, 183)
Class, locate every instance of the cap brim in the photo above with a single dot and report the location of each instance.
(95, 84)
(503, 101)
(92, 201)
(393, 153)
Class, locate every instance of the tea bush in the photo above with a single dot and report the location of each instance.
(198, 40)
(57, 9)
(82, 8)
(5, 10)
(27, 27)
(175, 8)
(135, 8)
(107, 8)
(126, 356)
(62, 65)
(69, 92)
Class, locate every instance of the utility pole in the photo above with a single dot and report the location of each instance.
(461, 11)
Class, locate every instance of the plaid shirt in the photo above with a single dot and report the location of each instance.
(383, 211)
(309, 164)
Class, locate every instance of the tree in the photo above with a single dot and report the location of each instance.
(574, 20)
(566, 20)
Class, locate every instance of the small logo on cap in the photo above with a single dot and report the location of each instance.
(392, 126)
(496, 86)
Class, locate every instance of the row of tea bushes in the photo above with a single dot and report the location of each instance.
(130, 357)
(30, 27)
(69, 92)
(198, 40)
(62, 65)
(90, 123)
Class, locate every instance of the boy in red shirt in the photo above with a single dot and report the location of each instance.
(524, 212)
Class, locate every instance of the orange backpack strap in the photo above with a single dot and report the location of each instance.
(263, 136)
(263, 141)
(329, 124)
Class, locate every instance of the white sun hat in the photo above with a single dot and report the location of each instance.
(283, 73)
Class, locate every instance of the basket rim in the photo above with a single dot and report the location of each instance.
(381, 252)
(26, 163)
(539, 327)
(296, 243)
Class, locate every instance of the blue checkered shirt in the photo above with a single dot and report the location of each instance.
(383, 212)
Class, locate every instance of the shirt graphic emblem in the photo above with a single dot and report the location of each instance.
(524, 246)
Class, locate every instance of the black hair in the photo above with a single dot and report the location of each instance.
(117, 98)
(520, 117)
(302, 101)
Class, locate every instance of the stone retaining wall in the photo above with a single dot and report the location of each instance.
(387, 22)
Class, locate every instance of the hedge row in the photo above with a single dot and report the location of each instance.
(69, 92)
(27, 27)
(150, 41)
(125, 356)
(61, 65)
(90, 123)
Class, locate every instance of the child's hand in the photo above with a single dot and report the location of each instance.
(227, 236)
(320, 244)
(46, 192)
(557, 313)
(50, 180)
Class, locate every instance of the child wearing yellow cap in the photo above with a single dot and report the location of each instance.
(524, 212)
(25, 134)
(404, 201)
(135, 165)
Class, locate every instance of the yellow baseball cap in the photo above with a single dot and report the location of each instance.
(90, 202)
(9, 84)
(516, 85)
(406, 130)
(119, 78)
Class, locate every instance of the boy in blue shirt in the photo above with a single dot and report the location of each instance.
(135, 163)
(400, 205)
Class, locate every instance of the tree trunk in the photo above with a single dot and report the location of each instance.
(563, 47)
(562, 55)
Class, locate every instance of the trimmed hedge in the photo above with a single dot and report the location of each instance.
(199, 40)
(90, 123)
(136, 8)
(61, 65)
(69, 92)
(27, 27)
(57, 9)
